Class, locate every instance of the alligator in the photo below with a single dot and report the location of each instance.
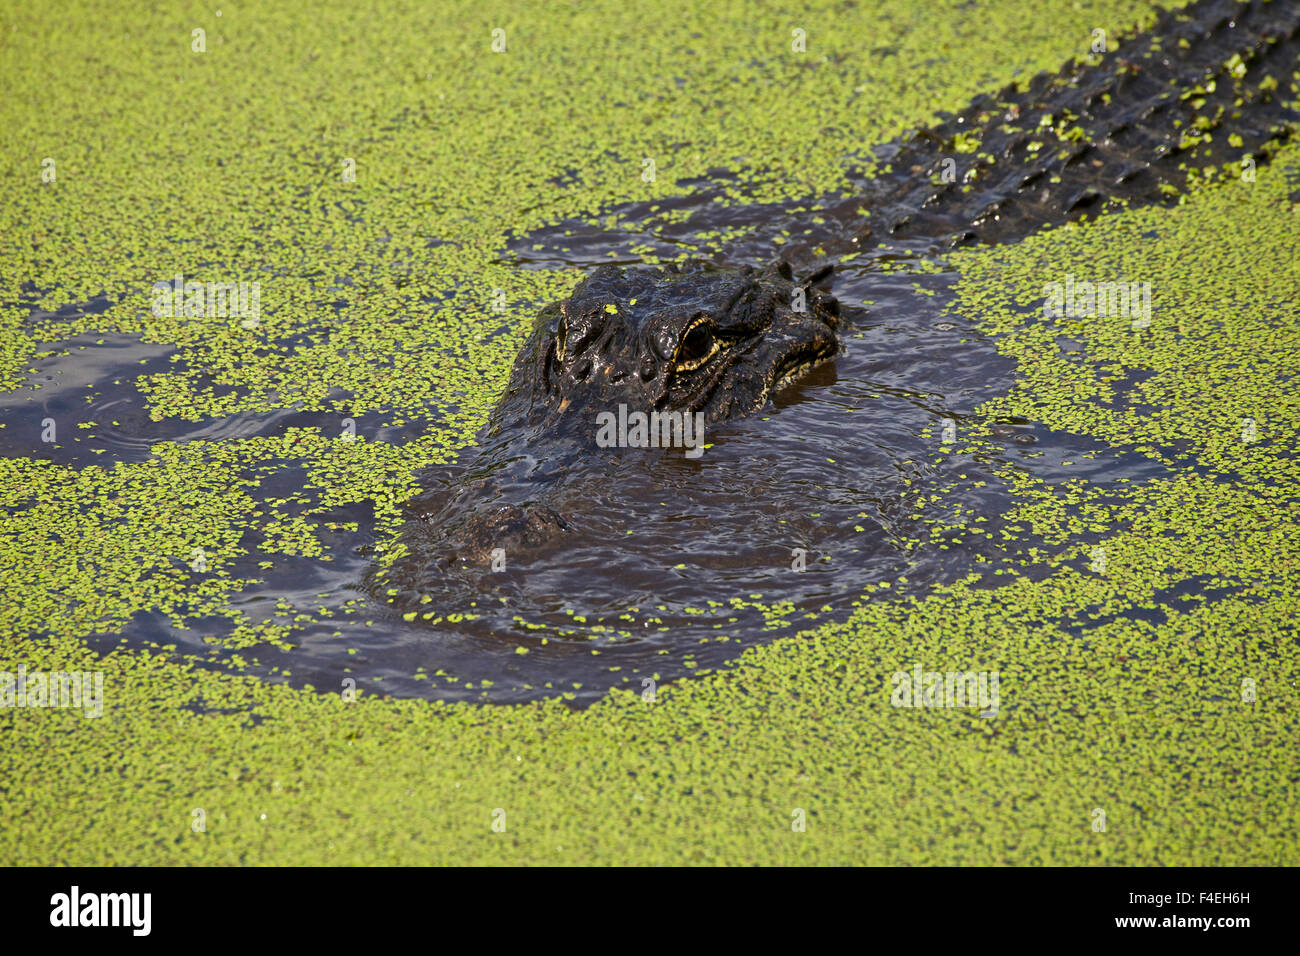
(1210, 86)
(681, 341)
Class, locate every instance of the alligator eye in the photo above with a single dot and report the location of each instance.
(572, 336)
(696, 348)
(561, 337)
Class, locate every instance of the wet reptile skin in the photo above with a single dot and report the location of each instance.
(1208, 85)
(1144, 124)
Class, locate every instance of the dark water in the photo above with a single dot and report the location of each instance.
(668, 555)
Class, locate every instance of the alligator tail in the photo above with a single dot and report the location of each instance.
(1211, 86)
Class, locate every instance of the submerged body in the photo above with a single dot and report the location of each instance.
(1212, 85)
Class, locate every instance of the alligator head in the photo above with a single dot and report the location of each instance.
(688, 340)
(670, 340)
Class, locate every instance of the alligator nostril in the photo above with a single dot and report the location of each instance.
(582, 370)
